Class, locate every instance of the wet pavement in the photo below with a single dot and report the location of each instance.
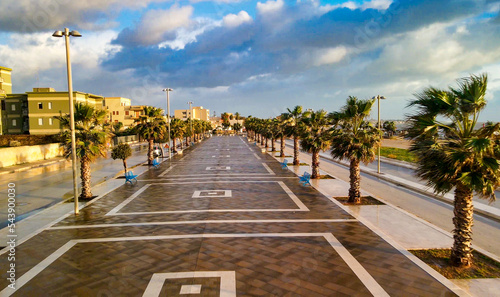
(223, 219)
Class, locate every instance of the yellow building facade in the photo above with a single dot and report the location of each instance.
(120, 110)
(199, 113)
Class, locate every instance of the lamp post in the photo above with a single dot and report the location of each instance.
(168, 122)
(378, 97)
(191, 115)
(66, 33)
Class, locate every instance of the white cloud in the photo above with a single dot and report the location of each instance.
(270, 6)
(185, 36)
(330, 56)
(373, 4)
(156, 23)
(234, 20)
(38, 15)
(432, 50)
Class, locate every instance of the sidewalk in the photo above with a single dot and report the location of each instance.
(225, 217)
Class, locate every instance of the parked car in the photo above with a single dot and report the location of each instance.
(157, 151)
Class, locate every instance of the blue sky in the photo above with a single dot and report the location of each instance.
(255, 57)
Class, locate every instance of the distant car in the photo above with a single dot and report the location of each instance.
(157, 151)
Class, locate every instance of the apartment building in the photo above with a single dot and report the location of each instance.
(5, 88)
(120, 110)
(33, 112)
(199, 113)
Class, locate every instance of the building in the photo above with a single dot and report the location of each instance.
(120, 110)
(5, 88)
(5, 81)
(199, 113)
(33, 112)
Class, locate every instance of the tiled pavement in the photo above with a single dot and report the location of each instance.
(221, 220)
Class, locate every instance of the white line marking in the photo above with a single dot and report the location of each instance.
(350, 261)
(295, 199)
(257, 156)
(293, 196)
(227, 281)
(166, 171)
(268, 169)
(363, 275)
(204, 222)
(127, 201)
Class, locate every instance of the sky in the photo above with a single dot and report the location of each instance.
(255, 57)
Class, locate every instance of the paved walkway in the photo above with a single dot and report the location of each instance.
(221, 220)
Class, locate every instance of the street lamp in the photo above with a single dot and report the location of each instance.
(66, 33)
(191, 115)
(378, 97)
(168, 120)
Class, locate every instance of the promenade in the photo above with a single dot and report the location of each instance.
(223, 219)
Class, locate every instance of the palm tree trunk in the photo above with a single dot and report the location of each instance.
(187, 143)
(315, 164)
(273, 148)
(150, 151)
(461, 253)
(261, 139)
(282, 146)
(125, 164)
(173, 148)
(85, 176)
(354, 180)
(296, 151)
(266, 143)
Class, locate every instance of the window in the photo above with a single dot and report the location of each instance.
(117, 113)
(49, 105)
(13, 107)
(127, 113)
(40, 105)
(14, 122)
(40, 121)
(50, 121)
(3, 105)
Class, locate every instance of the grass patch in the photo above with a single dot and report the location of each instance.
(365, 200)
(303, 164)
(482, 266)
(398, 154)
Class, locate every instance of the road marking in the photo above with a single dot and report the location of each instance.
(268, 169)
(363, 275)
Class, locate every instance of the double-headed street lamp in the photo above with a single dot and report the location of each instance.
(168, 122)
(378, 97)
(66, 33)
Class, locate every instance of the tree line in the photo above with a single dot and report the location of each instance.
(452, 153)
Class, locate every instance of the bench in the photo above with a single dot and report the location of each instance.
(156, 164)
(130, 177)
(284, 164)
(305, 179)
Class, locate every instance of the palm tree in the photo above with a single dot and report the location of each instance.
(315, 137)
(293, 118)
(281, 126)
(356, 140)
(91, 139)
(453, 154)
(389, 127)
(177, 130)
(152, 127)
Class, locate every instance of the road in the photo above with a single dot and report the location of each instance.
(485, 231)
(39, 188)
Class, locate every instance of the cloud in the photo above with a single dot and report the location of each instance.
(30, 16)
(156, 25)
(234, 20)
(270, 6)
(330, 56)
